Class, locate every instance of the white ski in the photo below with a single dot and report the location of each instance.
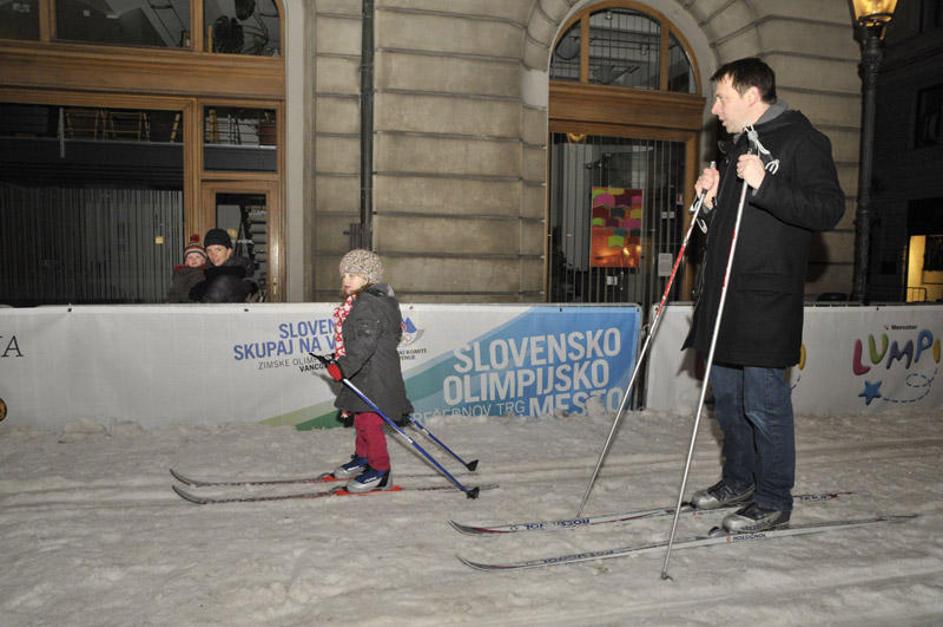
(739, 538)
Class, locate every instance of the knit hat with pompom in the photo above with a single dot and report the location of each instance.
(194, 247)
(363, 262)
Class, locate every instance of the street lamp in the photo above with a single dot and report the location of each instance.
(871, 18)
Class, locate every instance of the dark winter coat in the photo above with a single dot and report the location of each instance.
(762, 318)
(183, 280)
(231, 282)
(372, 332)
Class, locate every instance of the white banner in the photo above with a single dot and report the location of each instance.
(854, 360)
(249, 363)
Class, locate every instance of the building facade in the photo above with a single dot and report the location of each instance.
(907, 189)
(486, 129)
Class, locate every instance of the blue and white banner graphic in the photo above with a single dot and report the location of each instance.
(866, 360)
(541, 360)
(206, 364)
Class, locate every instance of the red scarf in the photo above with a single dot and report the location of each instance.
(340, 314)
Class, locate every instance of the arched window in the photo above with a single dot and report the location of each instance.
(623, 47)
(625, 117)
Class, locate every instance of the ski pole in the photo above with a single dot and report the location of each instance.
(710, 362)
(472, 465)
(696, 209)
(471, 493)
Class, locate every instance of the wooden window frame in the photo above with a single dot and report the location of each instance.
(47, 26)
(51, 72)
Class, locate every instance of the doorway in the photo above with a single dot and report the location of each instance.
(625, 115)
(616, 217)
(248, 211)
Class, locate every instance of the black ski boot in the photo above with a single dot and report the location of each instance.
(755, 518)
(721, 494)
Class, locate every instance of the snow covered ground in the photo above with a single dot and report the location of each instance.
(91, 533)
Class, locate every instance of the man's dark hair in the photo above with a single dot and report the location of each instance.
(747, 73)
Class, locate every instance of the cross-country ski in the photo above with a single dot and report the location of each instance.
(687, 543)
(337, 491)
(602, 519)
(324, 477)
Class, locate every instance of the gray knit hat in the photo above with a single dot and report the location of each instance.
(364, 263)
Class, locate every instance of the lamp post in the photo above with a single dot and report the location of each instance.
(871, 18)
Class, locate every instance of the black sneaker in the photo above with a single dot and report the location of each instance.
(755, 518)
(721, 494)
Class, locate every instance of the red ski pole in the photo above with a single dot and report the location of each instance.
(696, 209)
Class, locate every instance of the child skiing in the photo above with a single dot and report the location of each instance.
(367, 331)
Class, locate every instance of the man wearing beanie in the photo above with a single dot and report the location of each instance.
(367, 332)
(229, 277)
(189, 273)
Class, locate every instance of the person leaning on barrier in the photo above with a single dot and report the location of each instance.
(229, 277)
(187, 274)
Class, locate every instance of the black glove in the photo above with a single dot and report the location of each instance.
(404, 421)
(345, 418)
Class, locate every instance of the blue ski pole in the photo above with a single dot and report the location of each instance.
(471, 493)
(472, 465)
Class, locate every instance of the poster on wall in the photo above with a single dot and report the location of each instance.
(616, 227)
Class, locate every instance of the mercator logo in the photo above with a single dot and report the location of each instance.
(11, 347)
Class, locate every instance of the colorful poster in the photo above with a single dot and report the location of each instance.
(616, 228)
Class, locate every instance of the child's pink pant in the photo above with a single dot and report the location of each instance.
(371, 440)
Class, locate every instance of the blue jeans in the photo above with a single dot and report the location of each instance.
(754, 409)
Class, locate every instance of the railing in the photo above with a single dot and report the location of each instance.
(916, 295)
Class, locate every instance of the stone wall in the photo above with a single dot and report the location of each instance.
(811, 47)
(461, 130)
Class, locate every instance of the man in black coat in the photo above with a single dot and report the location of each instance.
(792, 191)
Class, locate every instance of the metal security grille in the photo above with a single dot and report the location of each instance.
(624, 49)
(87, 246)
(616, 217)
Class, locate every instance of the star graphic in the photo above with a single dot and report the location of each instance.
(871, 392)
